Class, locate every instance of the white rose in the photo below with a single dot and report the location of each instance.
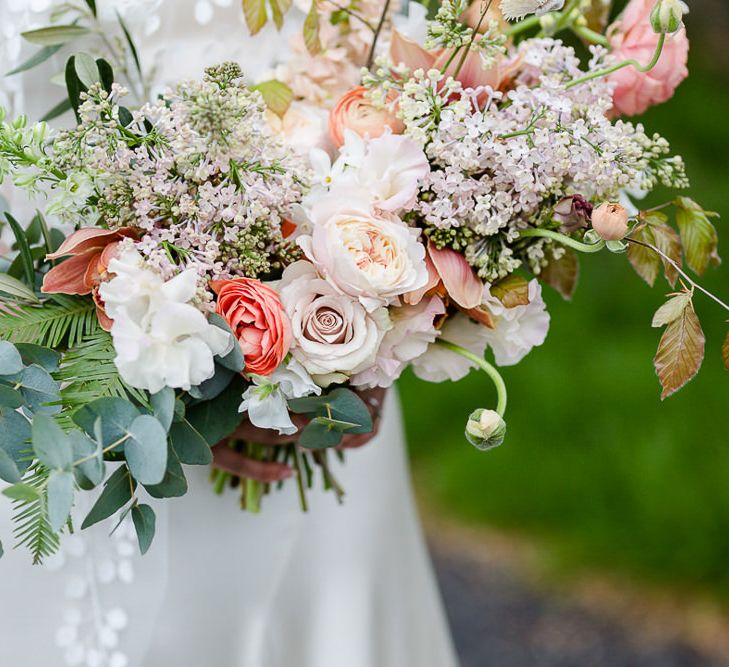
(516, 330)
(160, 339)
(413, 330)
(375, 259)
(303, 127)
(439, 364)
(334, 336)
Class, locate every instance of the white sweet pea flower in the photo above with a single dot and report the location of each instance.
(265, 401)
(516, 330)
(439, 364)
(161, 340)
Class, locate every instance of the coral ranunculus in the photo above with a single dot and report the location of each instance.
(356, 112)
(632, 37)
(255, 314)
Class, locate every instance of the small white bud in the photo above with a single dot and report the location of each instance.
(485, 429)
(667, 15)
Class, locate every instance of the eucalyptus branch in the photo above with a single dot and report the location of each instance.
(625, 63)
(484, 366)
(378, 30)
(106, 449)
(680, 271)
(563, 239)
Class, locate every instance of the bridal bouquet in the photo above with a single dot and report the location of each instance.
(279, 253)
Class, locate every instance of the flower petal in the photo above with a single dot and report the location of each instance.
(461, 283)
(406, 51)
(69, 277)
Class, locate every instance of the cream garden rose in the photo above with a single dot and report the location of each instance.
(334, 336)
(373, 258)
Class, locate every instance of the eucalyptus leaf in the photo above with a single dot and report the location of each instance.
(54, 35)
(144, 523)
(39, 390)
(318, 435)
(174, 483)
(22, 492)
(190, 447)
(50, 443)
(214, 420)
(116, 416)
(10, 397)
(15, 440)
(341, 405)
(234, 359)
(44, 357)
(214, 386)
(90, 455)
(11, 363)
(146, 450)
(60, 498)
(163, 406)
(8, 469)
(118, 491)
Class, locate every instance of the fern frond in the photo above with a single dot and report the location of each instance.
(31, 526)
(88, 372)
(62, 319)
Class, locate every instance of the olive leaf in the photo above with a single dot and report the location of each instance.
(54, 35)
(562, 274)
(512, 291)
(681, 349)
(698, 235)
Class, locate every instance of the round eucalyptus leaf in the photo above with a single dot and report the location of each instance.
(89, 455)
(60, 498)
(8, 468)
(116, 416)
(39, 390)
(44, 357)
(10, 397)
(163, 406)
(146, 450)
(11, 362)
(50, 443)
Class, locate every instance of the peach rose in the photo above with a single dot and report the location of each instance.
(632, 37)
(255, 314)
(355, 112)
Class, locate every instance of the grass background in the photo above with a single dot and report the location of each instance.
(595, 466)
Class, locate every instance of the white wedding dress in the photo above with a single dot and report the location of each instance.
(341, 586)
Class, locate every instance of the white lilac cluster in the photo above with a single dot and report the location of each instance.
(501, 161)
(197, 173)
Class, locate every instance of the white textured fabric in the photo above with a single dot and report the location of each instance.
(341, 586)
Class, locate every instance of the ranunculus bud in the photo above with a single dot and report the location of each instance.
(610, 221)
(485, 429)
(667, 15)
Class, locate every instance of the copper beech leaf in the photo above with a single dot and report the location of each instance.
(669, 243)
(698, 235)
(645, 261)
(680, 351)
(512, 291)
(311, 29)
(255, 14)
(562, 274)
(725, 352)
(671, 310)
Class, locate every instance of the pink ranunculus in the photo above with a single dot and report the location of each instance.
(632, 37)
(255, 314)
(356, 112)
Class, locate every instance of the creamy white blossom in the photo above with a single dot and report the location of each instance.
(161, 339)
(265, 400)
(516, 330)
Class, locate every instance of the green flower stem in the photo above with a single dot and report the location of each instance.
(484, 366)
(563, 239)
(523, 26)
(220, 479)
(626, 63)
(300, 482)
(590, 35)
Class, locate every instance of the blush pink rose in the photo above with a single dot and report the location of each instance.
(258, 320)
(356, 112)
(632, 37)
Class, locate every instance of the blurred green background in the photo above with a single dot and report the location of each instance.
(595, 466)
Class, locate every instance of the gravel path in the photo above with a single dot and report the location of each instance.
(500, 620)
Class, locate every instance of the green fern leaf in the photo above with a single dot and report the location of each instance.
(61, 319)
(31, 526)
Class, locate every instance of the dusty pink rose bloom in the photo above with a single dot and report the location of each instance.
(632, 37)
